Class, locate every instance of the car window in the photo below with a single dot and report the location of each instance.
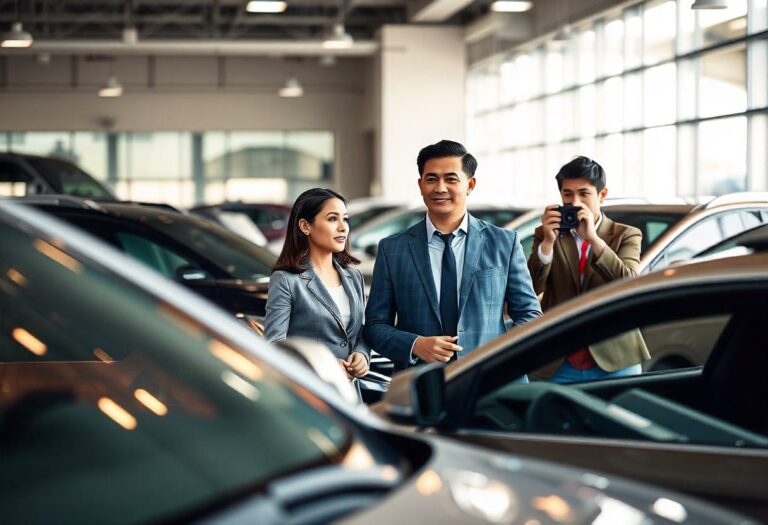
(68, 179)
(525, 235)
(752, 218)
(676, 335)
(692, 241)
(496, 217)
(160, 258)
(651, 224)
(385, 229)
(359, 218)
(14, 181)
(110, 392)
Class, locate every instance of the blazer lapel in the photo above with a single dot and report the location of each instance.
(605, 232)
(347, 281)
(472, 251)
(315, 285)
(418, 245)
(567, 247)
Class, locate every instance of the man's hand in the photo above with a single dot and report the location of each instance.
(550, 222)
(345, 367)
(435, 349)
(357, 365)
(587, 231)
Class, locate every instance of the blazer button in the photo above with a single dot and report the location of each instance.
(343, 344)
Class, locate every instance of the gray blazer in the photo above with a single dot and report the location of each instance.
(299, 304)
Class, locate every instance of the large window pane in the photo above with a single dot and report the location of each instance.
(660, 29)
(587, 62)
(553, 71)
(686, 27)
(633, 38)
(53, 144)
(587, 116)
(309, 154)
(611, 105)
(722, 156)
(613, 47)
(509, 83)
(89, 150)
(633, 101)
(686, 90)
(659, 162)
(758, 16)
(610, 155)
(717, 25)
(758, 74)
(215, 146)
(633, 163)
(660, 101)
(686, 160)
(758, 156)
(559, 117)
(162, 155)
(723, 82)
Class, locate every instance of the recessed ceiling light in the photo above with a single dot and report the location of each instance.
(339, 38)
(265, 6)
(291, 89)
(511, 6)
(113, 88)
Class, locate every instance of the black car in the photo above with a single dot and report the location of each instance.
(201, 255)
(271, 219)
(22, 175)
(127, 399)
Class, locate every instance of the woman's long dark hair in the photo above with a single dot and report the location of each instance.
(295, 254)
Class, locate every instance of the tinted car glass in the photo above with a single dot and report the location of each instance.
(119, 389)
(387, 228)
(238, 257)
(68, 179)
(14, 181)
(497, 217)
(652, 225)
(357, 219)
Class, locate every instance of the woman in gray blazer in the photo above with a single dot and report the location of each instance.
(314, 292)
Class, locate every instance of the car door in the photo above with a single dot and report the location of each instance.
(698, 430)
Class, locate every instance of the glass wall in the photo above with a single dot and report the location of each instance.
(184, 169)
(672, 101)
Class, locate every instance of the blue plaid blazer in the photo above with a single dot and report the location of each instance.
(403, 302)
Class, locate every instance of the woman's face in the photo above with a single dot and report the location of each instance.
(329, 231)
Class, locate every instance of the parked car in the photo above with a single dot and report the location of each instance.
(701, 430)
(22, 175)
(366, 209)
(197, 253)
(271, 219)
(652, 219)
(672, 232)
(127, 399)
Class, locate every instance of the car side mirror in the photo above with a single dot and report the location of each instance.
(321, 360)
(372, 250)
(417, 396)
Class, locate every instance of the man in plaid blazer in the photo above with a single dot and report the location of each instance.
(426, 305)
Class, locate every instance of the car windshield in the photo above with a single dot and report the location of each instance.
(68, 179)
(114, 397)
(651, 224)
(230, 252)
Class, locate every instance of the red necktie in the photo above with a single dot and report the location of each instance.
(581, 359)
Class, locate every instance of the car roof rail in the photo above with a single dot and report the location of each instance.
(65, 201)
(738, 198)
(160, 205)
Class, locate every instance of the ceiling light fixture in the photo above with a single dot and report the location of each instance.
(17, 37)
(113, 88)
(511, 6)
(339, 38)
(265, 6)
(291, 89)
(130, 35)
(709, 4)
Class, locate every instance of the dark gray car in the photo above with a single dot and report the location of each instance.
(127, 399)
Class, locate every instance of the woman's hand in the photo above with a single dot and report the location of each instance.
(357, 365)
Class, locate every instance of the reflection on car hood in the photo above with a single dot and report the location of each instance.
(463, 484)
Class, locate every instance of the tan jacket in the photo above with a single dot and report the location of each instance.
(559, 282)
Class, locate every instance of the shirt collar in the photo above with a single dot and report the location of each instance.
(463, 227)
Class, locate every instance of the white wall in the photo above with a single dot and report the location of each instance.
(422, 98)
(194, 94)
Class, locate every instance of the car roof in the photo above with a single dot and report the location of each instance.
(746, 269)
(128, 208)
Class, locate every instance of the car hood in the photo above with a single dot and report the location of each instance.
(466, 484)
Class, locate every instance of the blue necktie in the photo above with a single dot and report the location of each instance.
(449, 300)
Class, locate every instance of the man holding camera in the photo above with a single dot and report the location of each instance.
(578, 248)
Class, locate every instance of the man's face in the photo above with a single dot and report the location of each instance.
(444, 186)
(581, 192)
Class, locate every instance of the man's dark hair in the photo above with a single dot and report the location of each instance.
(447, 148)
(582, 168)
(294, 256)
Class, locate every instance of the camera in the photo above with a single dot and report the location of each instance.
(568, 218)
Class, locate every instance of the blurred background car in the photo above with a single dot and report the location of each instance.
(675, 428)
(127, 399)
(366, 209)
(22, 175)
(271, 219)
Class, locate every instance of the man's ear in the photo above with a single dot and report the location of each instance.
(471, 184)
(603, 194)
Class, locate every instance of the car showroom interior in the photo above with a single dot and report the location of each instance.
(384, 261)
